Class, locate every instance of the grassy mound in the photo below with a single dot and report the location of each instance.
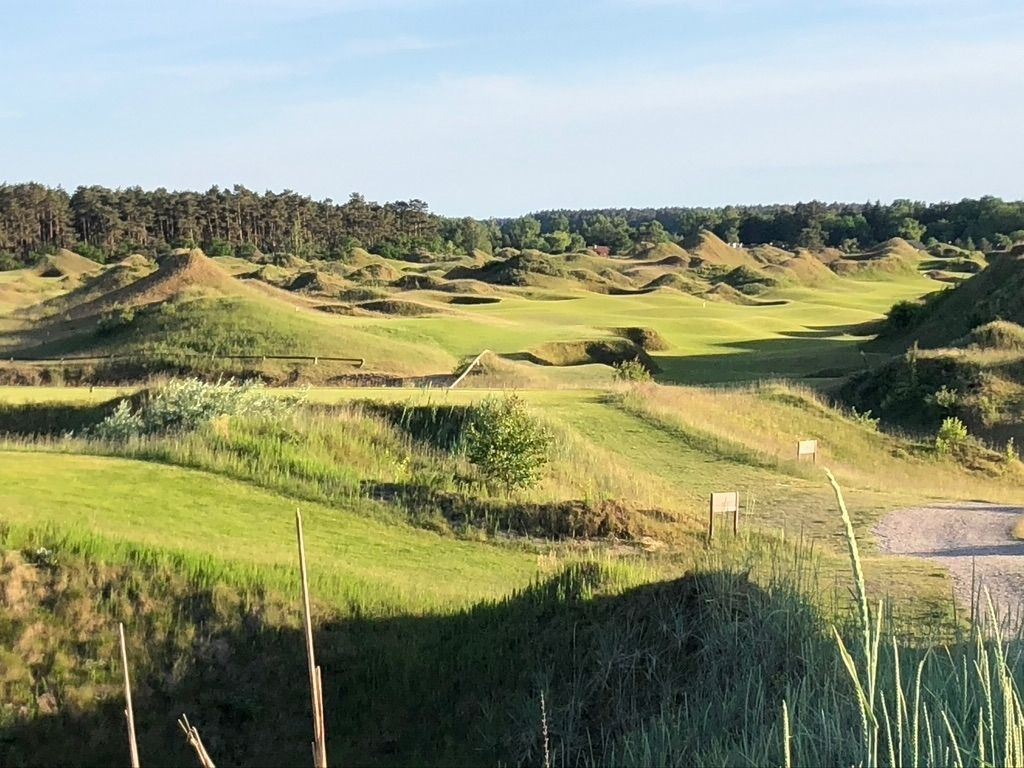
(748, 280)
(647, 339)
(669, 254)
(711, 249)
(999, 335)
(803, 268)
(176, 273)
(413, 282)
(519, 269)
(399, 307)
(316, 282)
(993, 294)
(893, 257)
(604, 351)
(65, 263)
(684, 283)
(377, 273)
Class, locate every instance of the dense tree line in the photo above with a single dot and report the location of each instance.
(985, 223)
(104, 223)
(108, 223)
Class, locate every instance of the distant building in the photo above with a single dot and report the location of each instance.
(601, 250)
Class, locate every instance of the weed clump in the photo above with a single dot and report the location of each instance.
(632, 371)
(183, 405)
(951, 437)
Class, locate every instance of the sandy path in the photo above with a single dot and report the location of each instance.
(959, 536)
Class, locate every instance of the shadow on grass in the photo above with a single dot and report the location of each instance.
(812, 355)
(458, 689)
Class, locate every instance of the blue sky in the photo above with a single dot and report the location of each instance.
(494, 107)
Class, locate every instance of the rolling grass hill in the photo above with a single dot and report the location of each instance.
(438, 638)
(726, 314)
(958, 353)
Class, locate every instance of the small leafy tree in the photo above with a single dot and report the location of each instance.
(507, 443)
(952, 436)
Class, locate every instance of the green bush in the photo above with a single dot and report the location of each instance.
(115, 320)
(632, 370)
(506, 442)
(904, 314)
(183, 405)
(952, 435)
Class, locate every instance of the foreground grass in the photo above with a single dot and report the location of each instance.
(206, 516)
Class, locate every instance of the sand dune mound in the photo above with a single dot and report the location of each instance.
(891, 257)
(466, 286)
(678, 281)
(414, 282)
(951, 315)
(399, 307)
(770, 254)
(374, 274)
(711, 249)
(803, 268)
(177, 272)
(662, 253)
(65, 263)
(316, 282)
(136, 261)
(725, 292)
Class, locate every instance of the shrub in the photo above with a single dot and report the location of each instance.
(952, 435)
(865, 419)
(183, 405)
(945, 398)
(1010, 452)
(506, 442)
(632, 370)
(121, 425)
(115, 320)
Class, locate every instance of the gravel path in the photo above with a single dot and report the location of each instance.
(959, 537)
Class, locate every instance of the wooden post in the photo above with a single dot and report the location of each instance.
(315, 690)
(736, 518)
(129, 713)
(711, 518)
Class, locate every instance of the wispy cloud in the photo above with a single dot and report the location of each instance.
(384, 46)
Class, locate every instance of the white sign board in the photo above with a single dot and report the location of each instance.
(807, 450)
(725, 502)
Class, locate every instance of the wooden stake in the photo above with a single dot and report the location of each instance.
(315, 689)
(711, 518)
(469, 368)
(128, 711)
(192, 734)
(736, 518)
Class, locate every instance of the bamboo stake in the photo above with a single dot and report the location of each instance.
(128, 711)
(192, 734)
(469, 368)
(315, 689)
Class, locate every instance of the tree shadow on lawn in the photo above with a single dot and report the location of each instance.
(566, 519)
(456, 689)
(789, 357)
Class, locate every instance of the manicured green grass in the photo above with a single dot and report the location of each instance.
(204, 515)
(710, 341)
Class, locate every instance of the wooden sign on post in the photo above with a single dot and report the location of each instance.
(807, 450)
(724, 503)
